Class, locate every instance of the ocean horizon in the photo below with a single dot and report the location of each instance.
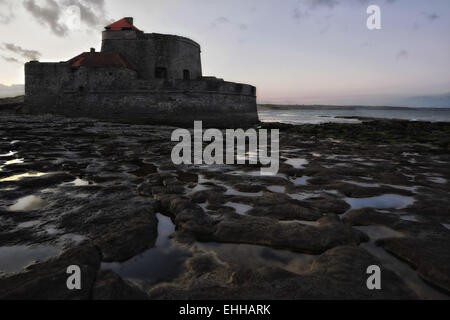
(324, 114)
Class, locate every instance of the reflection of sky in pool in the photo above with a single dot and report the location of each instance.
(28, 203)
(302, 181)
(240, 208)
(297, 163)
(15, 258)
(21, 176)
(254, 256)
(386, 201)
(161, 263)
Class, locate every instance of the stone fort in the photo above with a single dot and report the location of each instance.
(139, 78)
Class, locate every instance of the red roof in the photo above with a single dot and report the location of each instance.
(119, 25)
(99, 60)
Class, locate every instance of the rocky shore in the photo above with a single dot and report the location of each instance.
(106, 197)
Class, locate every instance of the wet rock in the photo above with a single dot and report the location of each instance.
(287, 211)
(126, 239)
(9, 237)
(355, 191)
(110, 286)
(187, 176)
(435, 205)
(144, 169)
(47, 280)
(278, 206)
(234, 228)
(196, 223)
(212, 197)
(368, 216)
(247, 187)
(170, 189)
(327, 204)
(430, 257)
(118, 212)
(339, 273)
(120, 231)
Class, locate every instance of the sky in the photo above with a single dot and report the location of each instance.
(293, 51)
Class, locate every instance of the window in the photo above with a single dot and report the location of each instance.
(160, 73)
(186, 75)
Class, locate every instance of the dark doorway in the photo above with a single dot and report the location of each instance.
(186, 75)
(160, 73)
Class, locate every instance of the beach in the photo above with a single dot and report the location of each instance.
(106, 197)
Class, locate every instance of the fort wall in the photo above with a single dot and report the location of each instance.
(116, 94)
(148, 52)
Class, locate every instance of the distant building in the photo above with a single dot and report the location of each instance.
(141, 78)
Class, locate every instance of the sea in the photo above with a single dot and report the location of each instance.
(316, 116)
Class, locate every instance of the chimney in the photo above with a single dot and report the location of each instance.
(129, 20)
(92, 50)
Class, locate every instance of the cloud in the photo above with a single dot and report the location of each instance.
(330, 4)
(48, 14)
(219, 21)
(225, 21)
(367, 1)
(243, 26)
(299, 14)
(93, 12)
(6, 12)
(11, 59)
(304, 8)
(54, 14)
(24, 53)
(402, 54)
(431, 16)
(321, 3)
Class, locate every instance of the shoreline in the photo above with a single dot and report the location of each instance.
(105, 196)
(343, 107)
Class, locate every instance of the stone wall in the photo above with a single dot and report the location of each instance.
(46, 82)
(178, 108)
(146, 52)
(117, 94)
(43, 82)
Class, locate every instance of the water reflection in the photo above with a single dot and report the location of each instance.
(297, 163)
(379, 232)
(163, 263)
(276, 189)
(15, 161)
(387, 201)
(254, 256)
(28, 203)
(15, 258)
(238, 207)
(302, 181)
(9, 154)
(24, 175)
(405, 272)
